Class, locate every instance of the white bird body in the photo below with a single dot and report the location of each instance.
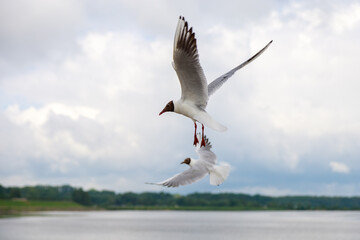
(186, 108)
(195, 91)
(199, 168)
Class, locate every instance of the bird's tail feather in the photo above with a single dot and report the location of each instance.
(218, 174)
(204, 118)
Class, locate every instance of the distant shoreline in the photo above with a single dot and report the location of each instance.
(14, 208)
(15, 200)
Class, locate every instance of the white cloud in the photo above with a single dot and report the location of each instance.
(339, 167)
(347, 18)
(38, 116)
(94, 112)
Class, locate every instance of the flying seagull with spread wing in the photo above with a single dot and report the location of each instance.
(199, 168)
(195, 91)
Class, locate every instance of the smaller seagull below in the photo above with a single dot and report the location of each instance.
(199, 168)
(195, 91)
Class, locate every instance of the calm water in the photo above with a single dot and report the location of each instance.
(135, 225)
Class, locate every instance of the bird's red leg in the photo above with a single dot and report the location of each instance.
(196, 141)
(202, 137)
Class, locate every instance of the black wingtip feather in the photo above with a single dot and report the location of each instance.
(187, 41)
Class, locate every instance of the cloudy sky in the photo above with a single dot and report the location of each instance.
(82, 84)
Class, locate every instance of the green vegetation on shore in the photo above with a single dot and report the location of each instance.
(40, 198)
(17, 206)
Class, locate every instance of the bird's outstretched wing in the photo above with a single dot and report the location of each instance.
(191, 175)
(217, 83)
(205, 153)
(187, 66)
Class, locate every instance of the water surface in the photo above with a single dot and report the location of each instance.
(184, 225)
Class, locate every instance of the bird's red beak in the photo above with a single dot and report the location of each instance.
(164, 110)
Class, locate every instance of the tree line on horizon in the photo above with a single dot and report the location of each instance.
(112, 200)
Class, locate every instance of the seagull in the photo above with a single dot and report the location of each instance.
(195, 91)
(199, 168)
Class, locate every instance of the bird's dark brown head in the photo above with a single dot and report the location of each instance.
(168, 108)
(186, 161)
